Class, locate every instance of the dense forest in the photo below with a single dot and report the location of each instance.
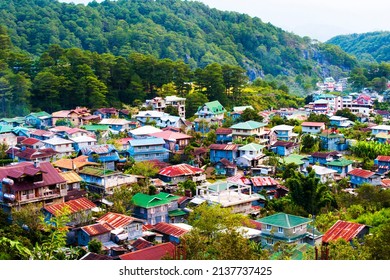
(370, 47)
(173, 29)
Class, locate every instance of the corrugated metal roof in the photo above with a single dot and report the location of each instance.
(238, 178)
(180, 170)
(146, 141)
(383, 158)
(224, 131)
(117, 220)
(361, 173)
(319, 124)
(156, 252)
(97, 229)
(343, 229)
(225, 147)
(284, 220)
(264, 181)
(71, 164)
(169, 135)
(71, 177)
(29, 141)
(74, 206)
(169, 229)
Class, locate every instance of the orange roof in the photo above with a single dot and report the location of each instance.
(343, 229)
(97, 229)
(361, 173)
(76, 205)
(75, 163)
(156, 252)
(117, 220)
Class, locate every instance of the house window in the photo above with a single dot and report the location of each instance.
(301, 227)
(270, 241)
(294, 229)
(268, 227)
(280, 230)
(142, 210)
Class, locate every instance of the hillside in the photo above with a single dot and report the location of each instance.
(371, 47)
(173, 29)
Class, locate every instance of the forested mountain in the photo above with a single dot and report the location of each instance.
(371, 47)
(173, 29)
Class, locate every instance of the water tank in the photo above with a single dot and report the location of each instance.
(7, 181)
(9, 196)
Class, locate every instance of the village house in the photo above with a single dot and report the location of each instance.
(333, 141)
(107, 113)
(62, 146)
(301, 161)
(174, 141)
(171, 232)
(157, 252)
(155, 208)
(101, 180)
(345, 230)
(208, 114)
(341, 165)
(105, 154)
(177, 102)
(39, 120)
(360, 176)
(323, 158)
(236, 195)
(321, 106)
(272, 187)
(224, 135)
(75, 117)
(380, 128)
(312, 127)
(73, 180)
(237, 111)
(98, 231)
(26, 182)
(13, 122)
(35, 155)
(181, 173)
(223, 151)
(83, 142)
(287, 228)
(225, 167)
(382, 137)
(249, 128)
(340, 122)
(284, 132)
(143, 131)
(383, 163)
(75, 164)
(148, 148)
(249, 155)
(31, 143)
(40, 134)
(323, 173)
(283, 148)
(116, 124)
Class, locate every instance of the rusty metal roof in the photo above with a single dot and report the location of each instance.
(180, 170)
(238, 178)
(97, 229)
(156, 252)
(117, 220)
(71, 177)
(383, 158)
(225, 147)
(361, 173)
(29, 141)
(169, 229)
(224, 131)
(343, 229)
(74, 206)
(264, 181)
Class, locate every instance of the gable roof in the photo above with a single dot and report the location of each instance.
(223, 131)
(340, 162)
(324, 154)
(170, 135)
(156, 252)
(343, 229)
(75, 163)
(149, 201)
(29, 141)
(97, 229)
(383, 158)
(74, 206)
(180, 170)
(145, 130)
(71, 177)
(282, 127)
(358, 172)
(223, 147)
(146, 141)
(317, 124)
(263, 181)
(251, 147)
(117, 220)
(284, 220)
(249, 125)
(215, 107)
(284, 144)
(169, 229)
(31, 154)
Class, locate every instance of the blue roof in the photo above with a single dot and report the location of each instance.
(147, 141)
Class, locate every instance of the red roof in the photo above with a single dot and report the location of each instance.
(97, 229)
(264, 181)
(361, 173)
(31, 154)
(180, 170)
(226, 147)
(170, 135)
(383, 158)
(238, 178)
(343, 229)
(224, 131)
(29, 141)
(169, 229)
(319, 124)
(141, 243)
(152, 253)
(227, 163)
(324, 154)
(117, 220)
(74, 206)
(386, 183)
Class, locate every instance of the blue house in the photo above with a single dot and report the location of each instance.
(284, 132)
(148, 148)
(323, 158)
(360, 176)
(208, 114)
(220, 151)
(224, 135)
(342, 122)
(100, 232)
(107, 113)
(106, 153)
(380, 128)
(383, 163)
(342, 166)
(382, 137)
(225, 167)
(154, 208)
(333, 141)
(40, 120)
(283, 148)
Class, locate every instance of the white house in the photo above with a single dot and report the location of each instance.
(312, 127)
(249, 155)
(62, 146)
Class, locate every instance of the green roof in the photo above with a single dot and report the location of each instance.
(96, 127)
(248, 125)
(98, 172)
(12, 120)
(293, 158)
(297, 253)
(215, 107)
(6, 128)
(41, 114)
(176, 213)
(148, 201)
(284, 220)
(340, 162)
(252, 147)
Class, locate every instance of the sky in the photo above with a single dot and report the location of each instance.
(318, 19)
